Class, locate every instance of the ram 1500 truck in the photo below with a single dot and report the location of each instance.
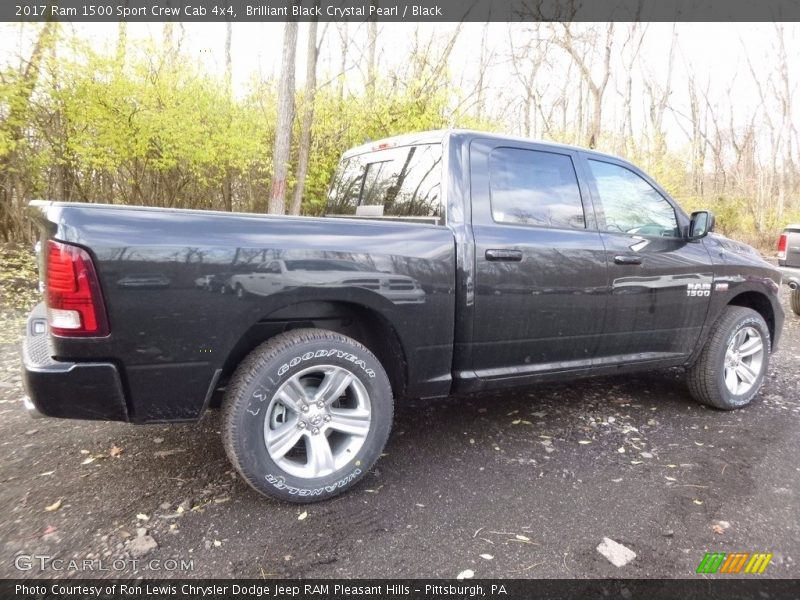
(447, 262)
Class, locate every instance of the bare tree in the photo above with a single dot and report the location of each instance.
(633, 45)
(283, 128)
(227, 185)
(658, 94)
(372, 42)
(344, 44)
(784, 91)
(308, 115)
(597, 87)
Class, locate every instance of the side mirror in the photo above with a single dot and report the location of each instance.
(701, 224)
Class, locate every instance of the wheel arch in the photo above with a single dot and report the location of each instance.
(362, 323)
(759, 303)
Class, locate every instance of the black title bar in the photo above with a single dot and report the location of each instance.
(726, 588)
(398, 10)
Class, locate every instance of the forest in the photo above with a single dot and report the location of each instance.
(142, 120)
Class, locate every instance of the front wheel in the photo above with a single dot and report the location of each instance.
(731, 367)
(306, 415)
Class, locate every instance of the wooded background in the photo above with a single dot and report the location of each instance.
(142, 121)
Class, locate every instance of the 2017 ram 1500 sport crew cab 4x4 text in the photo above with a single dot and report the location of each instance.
(449, 262)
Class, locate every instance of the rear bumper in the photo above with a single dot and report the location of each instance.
(67, 389)
(791, 276)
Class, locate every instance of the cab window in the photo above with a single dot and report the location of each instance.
(398, 182)
(529, 187)
(630, 204)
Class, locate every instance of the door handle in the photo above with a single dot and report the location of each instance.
(507, 255)
(627, 259)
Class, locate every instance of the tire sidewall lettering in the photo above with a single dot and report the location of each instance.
(341, 354)
(280, 484)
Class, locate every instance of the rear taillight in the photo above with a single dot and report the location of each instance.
(74, 301)
(782, 243)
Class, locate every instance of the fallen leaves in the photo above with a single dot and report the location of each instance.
(465, 574)
(302, 516)
(719, 527)
(115, 451)
(487, 557)
(142, 517)
(54, 506)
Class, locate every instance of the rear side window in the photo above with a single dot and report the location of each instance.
(398, 182)
(529, 187)
(346, 187)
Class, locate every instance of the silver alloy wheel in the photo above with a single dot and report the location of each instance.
(744, 358)
(317, 421)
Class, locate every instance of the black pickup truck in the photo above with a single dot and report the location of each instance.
(448, 262)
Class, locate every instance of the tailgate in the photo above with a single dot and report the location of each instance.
(793, 246)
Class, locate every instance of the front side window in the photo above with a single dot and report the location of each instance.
(529, 187)
(630, 204)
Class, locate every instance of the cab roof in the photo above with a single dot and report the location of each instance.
(437, 136)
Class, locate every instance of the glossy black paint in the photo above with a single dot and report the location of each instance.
(468, 305)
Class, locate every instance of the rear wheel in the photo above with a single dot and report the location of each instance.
(794, 300)
(306, 415)
(731, 367)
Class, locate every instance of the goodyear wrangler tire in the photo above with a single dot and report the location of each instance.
(306, 415)
(730, 370)
(794, 300)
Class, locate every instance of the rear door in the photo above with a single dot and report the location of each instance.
(659, 283)
(540, 268)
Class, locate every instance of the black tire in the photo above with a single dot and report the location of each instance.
(706, 377)
(251, 396)
(794, 300)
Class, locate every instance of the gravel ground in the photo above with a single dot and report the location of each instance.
(519, 484)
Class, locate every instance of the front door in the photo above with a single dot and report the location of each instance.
(659, 283)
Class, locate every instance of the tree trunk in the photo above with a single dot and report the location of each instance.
(283, 129)
(344, 44)
(308, 116)
(227, 185)
(372, 41)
